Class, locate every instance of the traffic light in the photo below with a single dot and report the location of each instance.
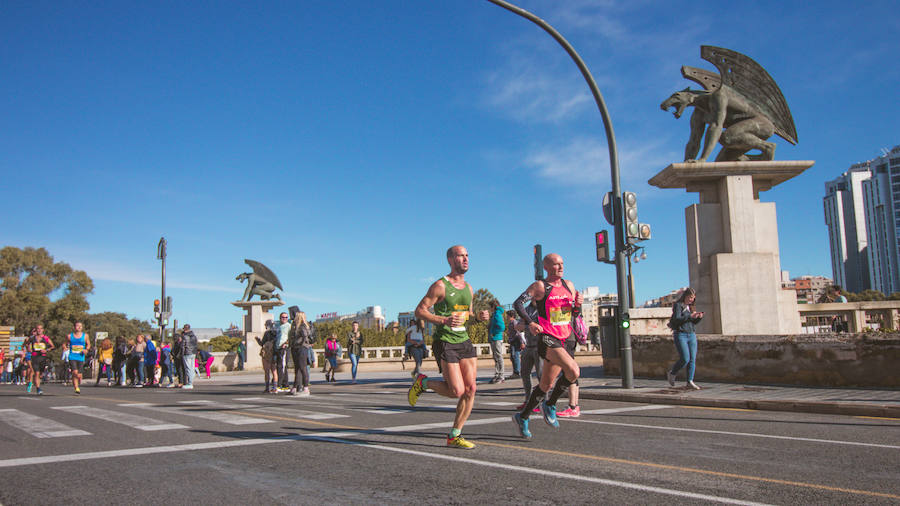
(643, 231)
(632, 227)
(166, 313)
(156, 309)
(602, 241)
(538, 263)
(626, 321)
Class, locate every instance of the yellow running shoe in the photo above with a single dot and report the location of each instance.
(415, 390)
(459, 442)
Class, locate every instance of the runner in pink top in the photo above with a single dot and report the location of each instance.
(557, 302)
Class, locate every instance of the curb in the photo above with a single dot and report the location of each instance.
(819, 407)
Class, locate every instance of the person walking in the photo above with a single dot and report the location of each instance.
(354, 349)
(188, 352)
(415, 342)
(451, 297)
(267, 356)
(495, 337)
(557, 303)
(684, 317)
(241, 352)
(301, 344)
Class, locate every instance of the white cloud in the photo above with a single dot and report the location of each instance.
(531, 95)
(584, 163)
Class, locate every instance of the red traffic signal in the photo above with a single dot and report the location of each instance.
(601, 239)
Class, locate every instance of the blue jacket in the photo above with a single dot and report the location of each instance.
(150, 353)
(496, 328)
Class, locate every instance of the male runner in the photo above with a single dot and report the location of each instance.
(557, 302)
(79, 345)
(26, 361)
(451, 297)
(39, 345)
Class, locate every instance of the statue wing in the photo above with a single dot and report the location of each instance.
(264, 272)
(710, 81)
(748, 78)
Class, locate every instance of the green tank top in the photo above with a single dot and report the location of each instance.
(455, 300)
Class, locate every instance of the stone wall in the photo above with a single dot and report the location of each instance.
(861, 360)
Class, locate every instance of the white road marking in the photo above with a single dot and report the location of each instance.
(191, 410)
(388, 411)
(745, 434)
(500, 403)
(299, 413)
(133, 421)
(38, 426)
(31, 398)
(609, 411)
(334, 438)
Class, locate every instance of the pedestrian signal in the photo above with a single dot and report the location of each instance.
(601, 239)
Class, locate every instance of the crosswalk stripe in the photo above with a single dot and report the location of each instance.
(500, 403)
(192, 410)
(299, 413)
(388, 411)
(38, 426)
(133, 421)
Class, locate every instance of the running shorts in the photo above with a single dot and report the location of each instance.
(546, 342)
(452, 353)
(38, 363)
(570, 344)
(76, 366)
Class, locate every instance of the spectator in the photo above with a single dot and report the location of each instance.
(415, 343)
(241, 351)
(189, 350)
(282, 338)
(120, 359)
(205, 360)
(516, 340)
(105, 362)
(267, 354)
(354, 349)
(137, 361)
(167, 367)
(495, 336)
(332, 353)
(64, 358)
(178, 358)
(151, 356)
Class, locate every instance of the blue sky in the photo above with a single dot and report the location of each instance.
(347, 144)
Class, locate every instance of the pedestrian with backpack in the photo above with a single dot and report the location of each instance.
(332, 352)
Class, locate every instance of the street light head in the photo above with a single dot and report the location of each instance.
(643, 256)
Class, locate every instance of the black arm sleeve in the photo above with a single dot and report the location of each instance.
(520, 304)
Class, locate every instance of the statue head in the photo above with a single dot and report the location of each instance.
(680, 100)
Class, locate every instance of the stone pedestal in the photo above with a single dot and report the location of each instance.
(255, 326)
(732, 245)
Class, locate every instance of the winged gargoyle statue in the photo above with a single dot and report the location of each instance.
(740, 108)
(261, 281)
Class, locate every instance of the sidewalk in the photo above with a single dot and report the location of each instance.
(832, 401)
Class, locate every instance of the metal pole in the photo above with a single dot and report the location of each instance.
(161, 254)
(630, 285)
(618, 210)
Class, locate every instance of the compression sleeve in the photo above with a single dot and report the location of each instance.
(520, 304)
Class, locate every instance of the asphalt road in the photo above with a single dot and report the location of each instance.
(363, 444)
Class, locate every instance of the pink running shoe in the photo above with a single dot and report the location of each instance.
(522, 406)
(570, 412)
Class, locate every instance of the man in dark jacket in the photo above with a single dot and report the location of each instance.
(188, 353)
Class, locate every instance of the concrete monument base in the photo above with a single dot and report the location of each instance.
(732, 242)
(255, 326)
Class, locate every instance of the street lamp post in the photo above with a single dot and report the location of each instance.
(618, 210)
(161, 255)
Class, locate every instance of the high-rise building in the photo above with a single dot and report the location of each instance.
(846, 220)
(881, 193)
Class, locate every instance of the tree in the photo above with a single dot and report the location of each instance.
(225, 343)
(116, 324)
(482, 299)
(30, 277)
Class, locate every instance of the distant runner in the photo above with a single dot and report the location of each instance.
(557, 302)
(39, 345)
(79, 345)
(451, 297)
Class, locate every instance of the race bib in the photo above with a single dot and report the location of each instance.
(560, 316)
(463, 315)
(77, 348)
(39, 346)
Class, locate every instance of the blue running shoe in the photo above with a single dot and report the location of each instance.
(549, 413)
(522, 425)
(28, 388)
